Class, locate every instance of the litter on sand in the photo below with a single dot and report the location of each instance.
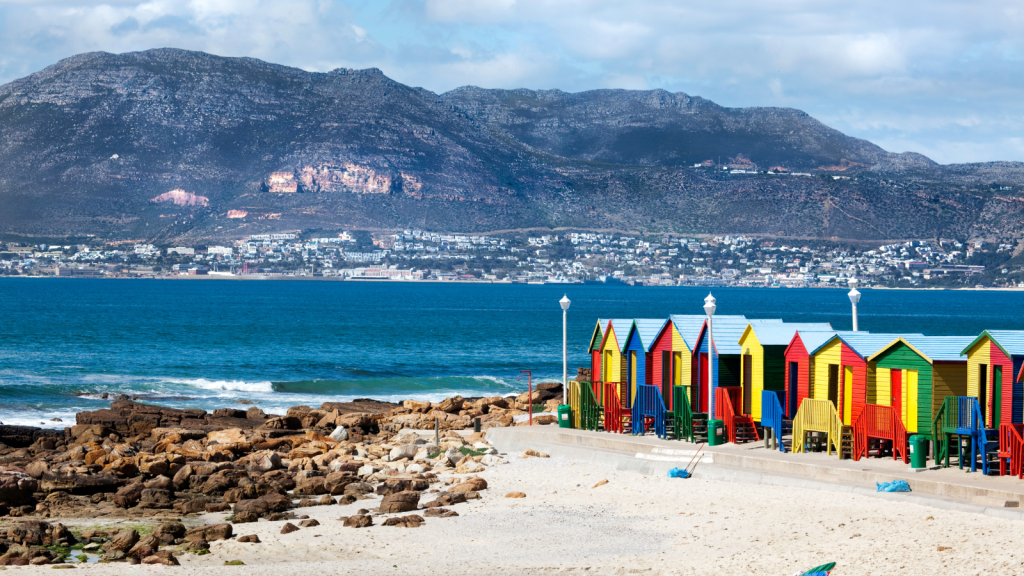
(894, 486)
(823, 570)
(678, 473)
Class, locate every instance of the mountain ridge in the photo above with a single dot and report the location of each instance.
(88, 142)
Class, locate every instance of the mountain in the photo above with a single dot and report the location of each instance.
(172, 145)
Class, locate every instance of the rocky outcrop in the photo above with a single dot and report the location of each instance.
(179, 197)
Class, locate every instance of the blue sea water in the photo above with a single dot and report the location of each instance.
(211, 343)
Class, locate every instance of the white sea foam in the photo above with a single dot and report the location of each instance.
(224, 385)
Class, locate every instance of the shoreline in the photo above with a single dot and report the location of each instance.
(254, 278)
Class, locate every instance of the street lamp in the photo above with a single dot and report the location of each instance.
(854, 299)
(564, 303)
(709, 309)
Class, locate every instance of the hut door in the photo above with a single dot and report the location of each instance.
(632, 377)
(666, 378)
(609, 374)
(847, 395)
(897, 393)
(748, 381)
(794, 384)
(702, 382)
(833, 384)
(983, 389)
(997, 395)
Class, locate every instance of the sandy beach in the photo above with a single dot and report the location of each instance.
(633, 524)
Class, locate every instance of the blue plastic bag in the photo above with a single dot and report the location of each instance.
(894, 486)
(678, 473)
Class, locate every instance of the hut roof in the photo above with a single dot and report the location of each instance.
(647, 330)
(773, 334)
(1011, 342)
(932, 348)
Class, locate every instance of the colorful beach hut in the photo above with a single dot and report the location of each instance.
(799, 372)
(720, 366)
(914, 374)
(637, 350)
(704, 365)
(673, 354)
(995, 360)
(763, 347)
(596, 340)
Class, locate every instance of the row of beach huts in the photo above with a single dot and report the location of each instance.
(808, 387)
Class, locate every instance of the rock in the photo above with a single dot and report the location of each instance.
(218, 507)
(165, 558)
(357, 489)
(289, 528)
(417, 405)
(346, 500)
(210, 532)
(336, 482)
(439, 513)
(75, 483)
(394, 485)
(534, 454)
(249, 539)
(37, 469)
(229, 436)
(492, 460)
(326, 500)
(474, 484)
(544, 420)
(469, 466)
(122, 541)
(129, 495)
(281, 423)
(447, 499)
(451, 405)
(410, 521)
(339, 434)
(414, 469)
(263, 461)
(406, 451)
(314, 486)
(156, 499)
(515, 495)
(146, 546)
(245, 517)
(194, 506)
(181, 477)
(39, 561)
(113, 556)
(198, 544)
(255, 413)
(159, 483)
(400, 502)
(364, 470)
(175, 529)
(308, 523)
(358, 521)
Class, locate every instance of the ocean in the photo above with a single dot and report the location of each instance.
(213, 344)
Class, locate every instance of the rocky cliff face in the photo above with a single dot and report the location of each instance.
(117, 145)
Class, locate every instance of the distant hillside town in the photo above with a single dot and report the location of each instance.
(416, 255)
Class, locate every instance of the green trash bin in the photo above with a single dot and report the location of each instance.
(564, 416)
(918, 451)
(716, 432)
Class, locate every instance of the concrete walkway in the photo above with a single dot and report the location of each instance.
(752, 463)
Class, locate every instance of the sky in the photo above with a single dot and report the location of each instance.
(938, 77)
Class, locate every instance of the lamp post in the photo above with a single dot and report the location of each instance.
(854, 299)
(709, 309)
(564, 303)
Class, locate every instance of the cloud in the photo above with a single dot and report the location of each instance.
(916, 74)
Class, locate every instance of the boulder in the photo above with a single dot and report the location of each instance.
(263, 461)
(340, 434)
(78, 483)
(16, 487)
(123, 541)
(146, 546)
(308, 523)
(160, 483)
(151, 498)
(164, 558)
(474, 484)
(289, 528)
(400, 502)
(255, 413)
(395, 485)
(336, 482)
(357, 489)
(358, 521)
(446, 499)
(249, 539)
(315, 486)
(229, 436)
(210, 532)
(175, 529)
(439, 513)
(410, 521)
(405, 451)
(194, 506)
(451, 405)
(129, 495)
(181, 477)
